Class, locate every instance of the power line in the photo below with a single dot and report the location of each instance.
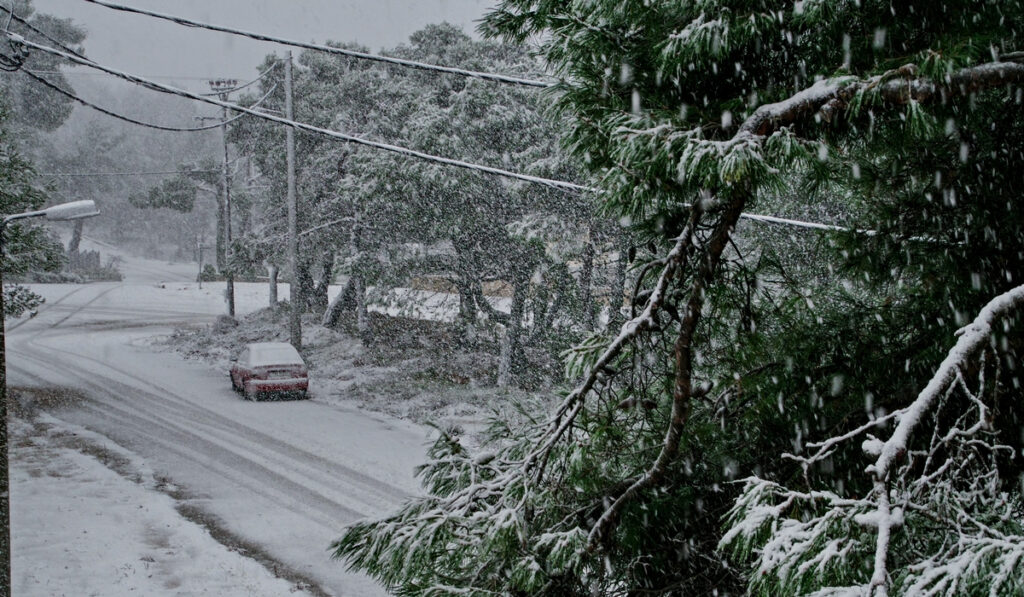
(128, 119)
(138, 173)
(101, 74)
(559, 184)
(301, 125)
(10, 64)
(331, 49)
(39, 32)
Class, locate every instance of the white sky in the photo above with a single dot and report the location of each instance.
(147, 46)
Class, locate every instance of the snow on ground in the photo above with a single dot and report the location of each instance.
(264, 489)
(95, 532)
(281, 478)
(411, 370)
(410, 378)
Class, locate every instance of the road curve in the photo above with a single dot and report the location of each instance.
(284, 476)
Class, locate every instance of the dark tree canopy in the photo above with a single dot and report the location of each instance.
(31, 104)
(900, 122)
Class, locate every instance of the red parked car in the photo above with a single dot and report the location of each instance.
(270, 368)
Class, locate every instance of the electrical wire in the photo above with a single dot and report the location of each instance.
(100, 74)
(331, 49)
(9, 64)
(138, 173)
(17, 58)
(38, 31)
(153, 85)
(558, 184)
(131, 120)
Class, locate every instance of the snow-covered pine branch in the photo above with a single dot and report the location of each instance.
(481, 503)
(662, 100)
(761, 142)
(937, 520)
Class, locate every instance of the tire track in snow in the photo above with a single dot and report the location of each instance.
(83, 307)
(236, 468)
(45, 307)
(123, 466)
(201, 426)
(303, 485)
(251, 439)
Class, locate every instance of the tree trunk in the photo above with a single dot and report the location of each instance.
(221, 246)
(511, 347)
(304, 286)
(76, 240)
(467, 312)
(586, 286)
(357, 281)
(467, 300)
(619, 286)
(273, 285)
(318, 296)
(362, 313)
(561, 286)
(345, 301)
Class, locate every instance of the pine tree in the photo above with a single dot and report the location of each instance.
(31, 105)
(900, 123)
(26, 247)
(26, 109)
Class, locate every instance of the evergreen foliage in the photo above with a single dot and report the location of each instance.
(26, 247)
(385, 220)
(177, 193)
(744, 344)
(26, 109)
(32, 106)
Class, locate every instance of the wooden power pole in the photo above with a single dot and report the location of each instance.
(222, 87)
(295, 309)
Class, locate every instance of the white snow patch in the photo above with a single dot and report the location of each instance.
(78, 528)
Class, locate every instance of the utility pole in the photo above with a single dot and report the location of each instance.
(295, 314)
(222, 87)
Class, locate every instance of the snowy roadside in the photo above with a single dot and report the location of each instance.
(90, 517)
(411, 371)
(95, 531)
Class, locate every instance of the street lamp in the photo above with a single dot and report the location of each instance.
(74, 210)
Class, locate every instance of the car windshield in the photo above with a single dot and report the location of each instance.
(273, 354)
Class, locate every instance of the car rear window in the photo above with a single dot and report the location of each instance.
(276, 354)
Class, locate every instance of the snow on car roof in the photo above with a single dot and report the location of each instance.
(273, 353)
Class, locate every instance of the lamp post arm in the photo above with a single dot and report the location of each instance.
(22, 216)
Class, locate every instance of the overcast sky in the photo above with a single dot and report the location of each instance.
(148, 46)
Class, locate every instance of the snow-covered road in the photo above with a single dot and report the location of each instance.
(278, 479)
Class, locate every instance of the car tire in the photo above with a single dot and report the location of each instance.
(250, 394)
